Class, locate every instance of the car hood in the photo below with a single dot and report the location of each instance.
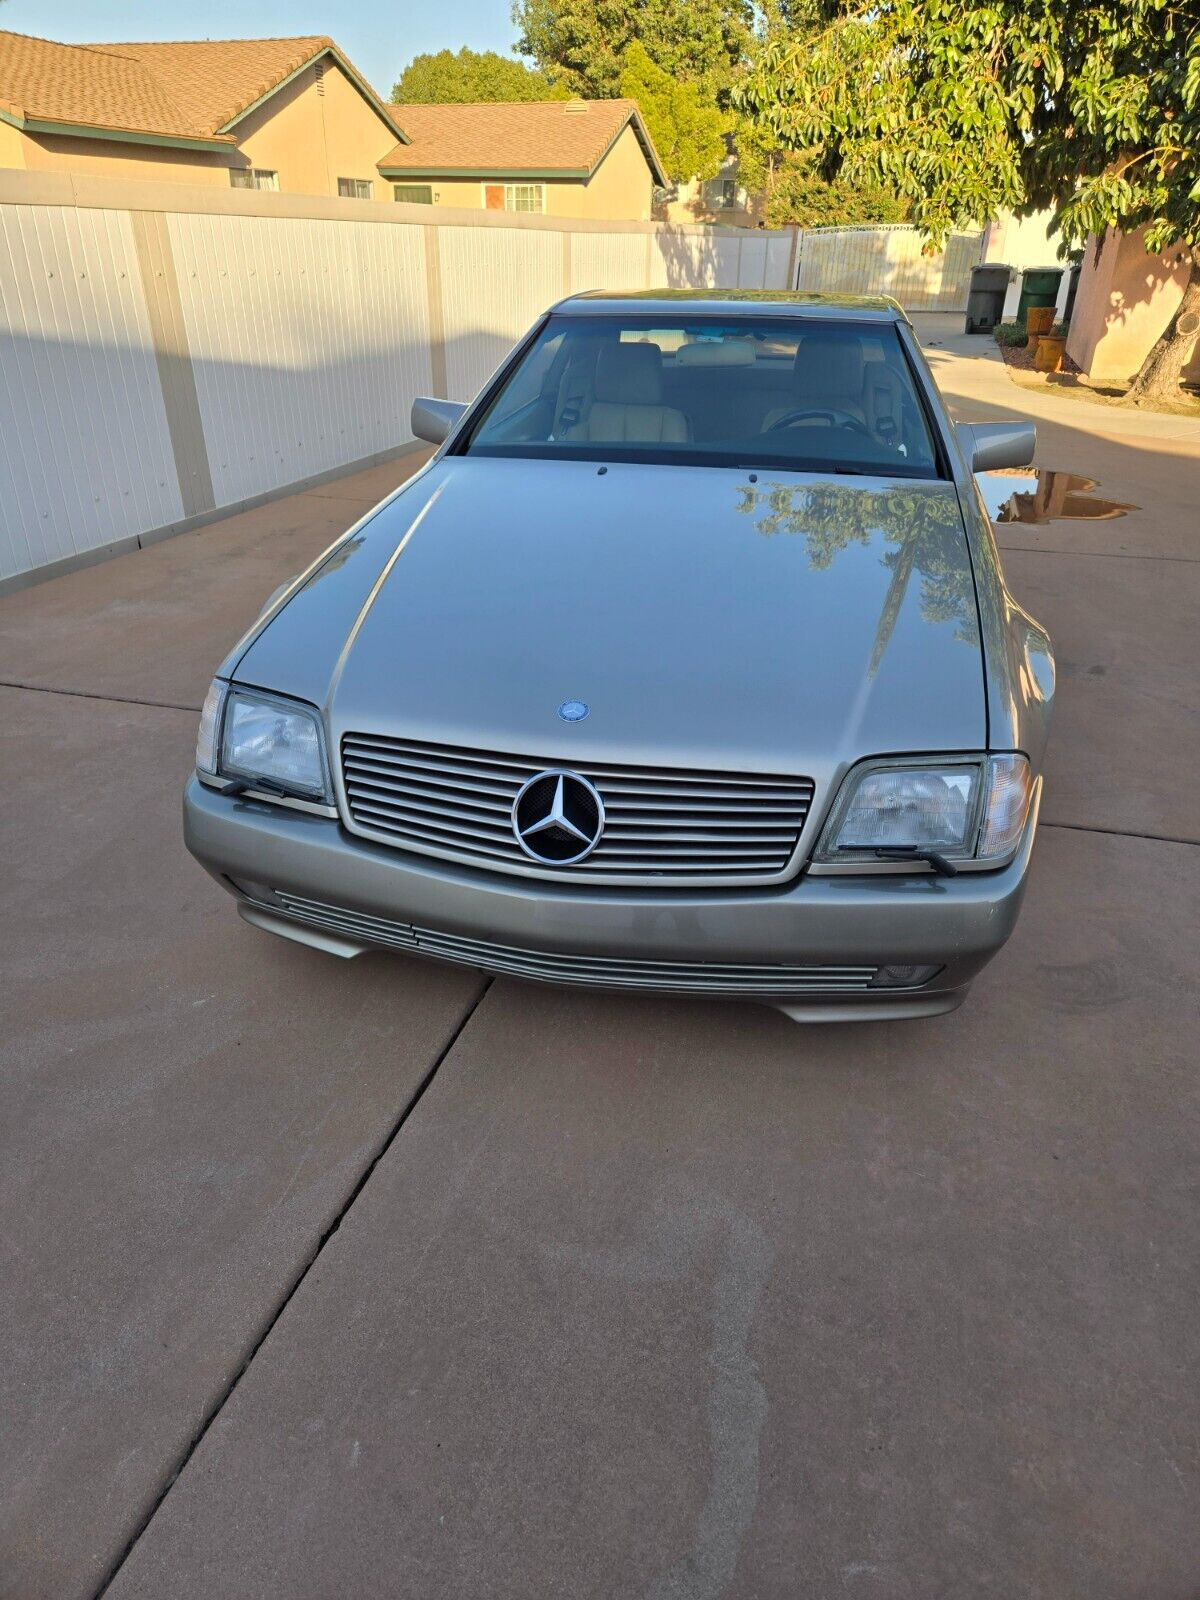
(706, 619)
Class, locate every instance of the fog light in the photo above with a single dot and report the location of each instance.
(902, 977)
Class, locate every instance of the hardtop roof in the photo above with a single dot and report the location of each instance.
(739, 302)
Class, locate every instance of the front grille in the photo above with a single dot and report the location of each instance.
(689, 827)
(763, 980)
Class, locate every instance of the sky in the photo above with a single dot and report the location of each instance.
(379, 38)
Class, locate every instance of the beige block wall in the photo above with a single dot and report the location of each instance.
(315, 131)
(1022, 241)
(619, 190)
(1125, 299)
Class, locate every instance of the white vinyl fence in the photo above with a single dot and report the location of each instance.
(169, 353)
(163, 359)
(889, 259)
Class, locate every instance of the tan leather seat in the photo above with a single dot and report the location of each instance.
(827, 375)
(883, 400)
(628, 408)
(575, 394)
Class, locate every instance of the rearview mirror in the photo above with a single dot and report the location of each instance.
(435, 420)
(988, 445)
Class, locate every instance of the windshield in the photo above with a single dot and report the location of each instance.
(798, 394)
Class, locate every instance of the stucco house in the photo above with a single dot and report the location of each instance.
(563, 158)
(1125, 300)
(284, 114)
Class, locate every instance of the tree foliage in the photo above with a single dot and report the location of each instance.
(583, 43)
(688, 131)
(968, 107)
(796, 191)
(799, 195)
(470, 76)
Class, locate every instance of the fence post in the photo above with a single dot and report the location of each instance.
(793, 277)
(173, 358)
(433, 299)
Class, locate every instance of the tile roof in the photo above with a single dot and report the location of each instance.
(569, 136)
(184, 90)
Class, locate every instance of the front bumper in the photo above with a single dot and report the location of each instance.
(371, 895)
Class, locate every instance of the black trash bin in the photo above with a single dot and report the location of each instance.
(985, 300)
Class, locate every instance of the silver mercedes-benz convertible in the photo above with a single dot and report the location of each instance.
(686, 666)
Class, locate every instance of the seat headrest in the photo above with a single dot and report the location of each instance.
(629, 375)
(837, 360)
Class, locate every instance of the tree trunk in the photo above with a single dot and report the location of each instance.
(1160, 373)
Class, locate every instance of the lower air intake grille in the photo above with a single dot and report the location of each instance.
(687, 827)
(681, 977)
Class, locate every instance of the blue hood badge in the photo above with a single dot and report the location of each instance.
(573, 710)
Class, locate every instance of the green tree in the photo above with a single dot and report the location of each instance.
(795, 190)
(798, 194)
(469, 77)
(583, 42)
(688, 131)
(968, 107)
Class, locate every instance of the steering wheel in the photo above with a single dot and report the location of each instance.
(800, 414)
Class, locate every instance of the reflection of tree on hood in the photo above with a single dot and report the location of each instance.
(922, 522)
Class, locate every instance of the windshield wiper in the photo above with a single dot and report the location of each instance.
(907, 852)
(268, 786)
(814, 467)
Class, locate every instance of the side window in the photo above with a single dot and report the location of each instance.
(413, 194)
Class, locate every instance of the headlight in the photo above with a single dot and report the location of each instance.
(964, 810)
(261, 737)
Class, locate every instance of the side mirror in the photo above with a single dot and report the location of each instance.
(435, 420)
(988, 445)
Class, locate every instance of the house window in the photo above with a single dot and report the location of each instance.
(253, 178)
(354, 188)
(514, 196)
(413, 194)
(723, 194)
(524, 197)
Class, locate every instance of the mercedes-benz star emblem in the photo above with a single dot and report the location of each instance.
(558, 818)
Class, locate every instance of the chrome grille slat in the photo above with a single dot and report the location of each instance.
(685, 977)
(435, 804)
(398, 751)
(398, 820)
(661, 824)
(676, 791)
(444, 788)
(470, 783)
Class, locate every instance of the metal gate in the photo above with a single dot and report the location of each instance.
(888, 259)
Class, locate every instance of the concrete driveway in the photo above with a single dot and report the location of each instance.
(378, 1279)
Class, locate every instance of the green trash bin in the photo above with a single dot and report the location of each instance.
(1039, 287)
